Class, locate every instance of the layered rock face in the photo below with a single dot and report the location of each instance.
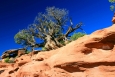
(90, 56)
(13, 53)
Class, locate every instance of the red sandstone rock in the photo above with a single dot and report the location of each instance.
(14, 52)
(113, 19)
(89, 56)
(23, 60)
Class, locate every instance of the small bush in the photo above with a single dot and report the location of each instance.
(6, 60)
(62, 42)
(76, 36)
(9, 60)
(44, 49)
(27, 52)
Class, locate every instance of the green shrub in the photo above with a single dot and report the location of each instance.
(76, 36)
(27, 52)
(6, 60)
(62, 42)
(44, 49)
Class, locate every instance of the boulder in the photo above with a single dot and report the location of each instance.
(13, 53)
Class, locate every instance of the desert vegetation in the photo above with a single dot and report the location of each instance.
(52, 28)
(9, 60)
(112, 6)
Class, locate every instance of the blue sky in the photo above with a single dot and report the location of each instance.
(18, 14)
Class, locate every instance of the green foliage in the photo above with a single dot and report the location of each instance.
(7, 60)
(27, 52)
(69, 41)
(62, 42)
(112, 7)
(44, 49)
(50, 22)
(24, 38)
(112, 1)
(76, 36)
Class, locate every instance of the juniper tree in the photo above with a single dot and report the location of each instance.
(51, 27)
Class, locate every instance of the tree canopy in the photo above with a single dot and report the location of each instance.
(24, 38)
(51, 27)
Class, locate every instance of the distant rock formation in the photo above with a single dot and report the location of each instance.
(13, 53)
(90, 56)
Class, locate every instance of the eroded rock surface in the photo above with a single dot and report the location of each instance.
(13, 53)
(90, 56)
